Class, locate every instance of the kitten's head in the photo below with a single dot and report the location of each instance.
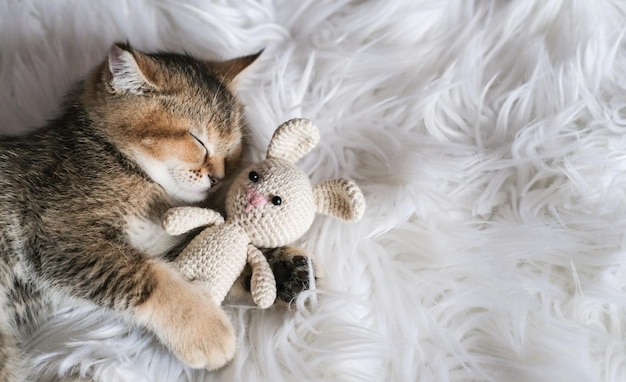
(177, 117)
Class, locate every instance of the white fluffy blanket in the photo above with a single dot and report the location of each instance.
(488, 137)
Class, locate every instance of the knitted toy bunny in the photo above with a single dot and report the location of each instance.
(270, 204)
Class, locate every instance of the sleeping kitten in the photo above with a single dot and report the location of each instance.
(81, 201)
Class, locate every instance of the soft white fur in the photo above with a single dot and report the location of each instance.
(488, 137)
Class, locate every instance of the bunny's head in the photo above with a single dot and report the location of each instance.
(274, 201)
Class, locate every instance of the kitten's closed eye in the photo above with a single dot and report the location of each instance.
(198, 141)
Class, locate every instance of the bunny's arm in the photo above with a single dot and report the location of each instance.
(262, 283)
(181, 220)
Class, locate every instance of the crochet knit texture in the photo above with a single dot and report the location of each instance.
(270, 204)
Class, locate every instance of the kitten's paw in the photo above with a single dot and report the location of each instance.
(205, 340)
(187, 320)
(293, 270)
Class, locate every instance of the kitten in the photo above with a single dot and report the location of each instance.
(81, 201)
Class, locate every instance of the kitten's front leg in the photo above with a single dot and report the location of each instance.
(148, 292)
(185, 318)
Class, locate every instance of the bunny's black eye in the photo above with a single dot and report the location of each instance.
(276, 200)
(253, 176)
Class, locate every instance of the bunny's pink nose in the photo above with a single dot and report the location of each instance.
(255, 199)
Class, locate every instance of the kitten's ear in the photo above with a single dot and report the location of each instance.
(230, 69)
(129, 71)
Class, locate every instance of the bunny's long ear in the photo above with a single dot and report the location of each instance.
(341, 198)
(293, 139)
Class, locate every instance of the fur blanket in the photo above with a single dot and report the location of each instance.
(488, 137)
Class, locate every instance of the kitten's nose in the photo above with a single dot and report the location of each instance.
(215, 180)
